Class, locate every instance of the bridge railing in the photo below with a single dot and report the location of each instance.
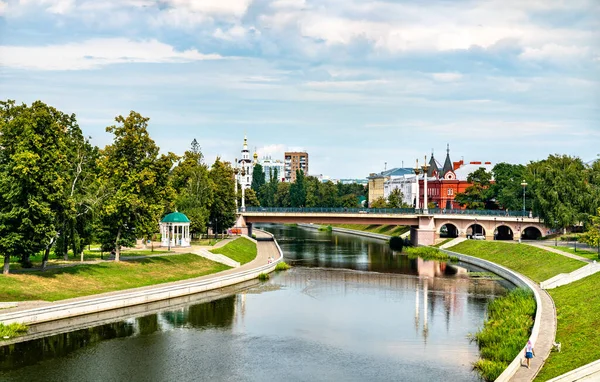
(401, 211)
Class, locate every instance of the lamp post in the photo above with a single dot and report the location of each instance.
(169, 236)
(495, 234)
(425, 168)
(236, 171)
(417, 172)
(524, 184)
(243, 191)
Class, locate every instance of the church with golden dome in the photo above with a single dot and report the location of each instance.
(245, 166)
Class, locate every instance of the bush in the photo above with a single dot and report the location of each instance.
(263, 276)
(12, 330)
(282, 266)
(396, 243)
(505, 333)
(428, 253)
(327, 228)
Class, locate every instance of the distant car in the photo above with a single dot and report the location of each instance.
(478, 236)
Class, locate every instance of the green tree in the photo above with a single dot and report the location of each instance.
(191, 180)
(379, 203)
(507, 189)
(561, 192)
(258, 178)
(478, 195)
(298, 190)
(282, 196)
(137, 183)
(33, 163)
(250, 196)
(592, 235)
(396, 199)
(312, 192)
(328, 197)
(349, 201)
(222, 211)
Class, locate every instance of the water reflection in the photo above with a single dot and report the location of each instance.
(408, 321)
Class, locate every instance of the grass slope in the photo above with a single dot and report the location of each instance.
(578, 313)
(535, 263)
(580, 252)
(241, 250)
(88, 279)
(390, 230)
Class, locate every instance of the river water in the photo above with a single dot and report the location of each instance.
(349, 310)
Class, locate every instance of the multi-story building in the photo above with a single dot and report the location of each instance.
(271, 166)
(377, 181)
(294, 161)
(245, 166)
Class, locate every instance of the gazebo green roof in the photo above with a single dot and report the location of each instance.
(175, 217)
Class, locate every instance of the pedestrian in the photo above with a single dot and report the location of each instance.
(529, 353)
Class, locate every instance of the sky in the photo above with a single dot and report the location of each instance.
(358, 84)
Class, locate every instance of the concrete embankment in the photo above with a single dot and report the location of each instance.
(122, 299)
(348, 231)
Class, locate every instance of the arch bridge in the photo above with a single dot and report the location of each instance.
(426, 226)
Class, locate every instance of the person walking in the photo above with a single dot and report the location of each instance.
(529, 353)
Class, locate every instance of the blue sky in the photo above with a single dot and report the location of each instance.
(355, 83)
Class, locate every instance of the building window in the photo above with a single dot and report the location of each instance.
(450, 191)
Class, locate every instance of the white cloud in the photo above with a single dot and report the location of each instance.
(95, 53)
(446, 77)
(3, 7)
(214, 7)
(555, 52)
(275, 151)
(236, 32)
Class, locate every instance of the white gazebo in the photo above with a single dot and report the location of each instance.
(176, 227)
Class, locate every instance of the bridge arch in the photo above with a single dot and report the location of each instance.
(531, 233)
(475, 228)
(504, 232)
(448, 230)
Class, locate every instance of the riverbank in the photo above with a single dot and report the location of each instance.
(119, 299)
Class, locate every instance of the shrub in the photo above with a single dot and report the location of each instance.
(263, 276)
(12, 330)
(327, 228)
(396, 243)
(282, 266)
(428, 253)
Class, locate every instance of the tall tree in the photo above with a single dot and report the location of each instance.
(137, 181)
(222, 210)
(194, 188)
(592, 235)
(312, 187)
(478, 195)
(396, 199)
(258, 178)
(379, 203)
(251, 199)
(33, 142)
(282, 196)
(561, 191)
(507, 189)
(298, 190)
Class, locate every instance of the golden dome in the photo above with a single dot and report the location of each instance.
(255, 155)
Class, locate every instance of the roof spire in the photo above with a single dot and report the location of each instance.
(448, 163)
(448, 148)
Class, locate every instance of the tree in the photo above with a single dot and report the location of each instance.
(137, 183)
(507, 189)
(592, 235)
(328, 197)
(396, 199)
(266, 194)
(33, 142)
(258, 178)
(222, 210)
(298, 190)
(562, 195)
(194, 188)
(379, 203)
(251, 200)
(478, 195)
(282, 197)
(312, 192)
(349, 201)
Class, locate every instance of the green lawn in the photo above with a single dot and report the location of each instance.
(535, 263)
(88, 279)
(390, 230)
(578, 311)
(579, 252)
(241, 250)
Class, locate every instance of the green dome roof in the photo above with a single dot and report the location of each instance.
(175, 217)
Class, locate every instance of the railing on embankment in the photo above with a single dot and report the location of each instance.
(126, 299)
(398, 211)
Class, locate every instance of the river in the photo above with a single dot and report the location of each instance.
(349, 310)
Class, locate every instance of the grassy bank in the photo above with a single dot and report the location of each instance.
(88, 279)
(443, 242)
(241, 250)
(578, 312)
(580, 252)
(390, 230)
(12, 330)
(535, 263)
(427, 253)
(505, 333)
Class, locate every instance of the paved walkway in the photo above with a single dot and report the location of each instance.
(265, 249)
(558, 251)
(546, 338)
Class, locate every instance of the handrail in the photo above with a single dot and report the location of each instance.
(401, 211)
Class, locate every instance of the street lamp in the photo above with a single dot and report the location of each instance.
(425, 168)
(417, 172)
(524, 184)
(236, 171)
